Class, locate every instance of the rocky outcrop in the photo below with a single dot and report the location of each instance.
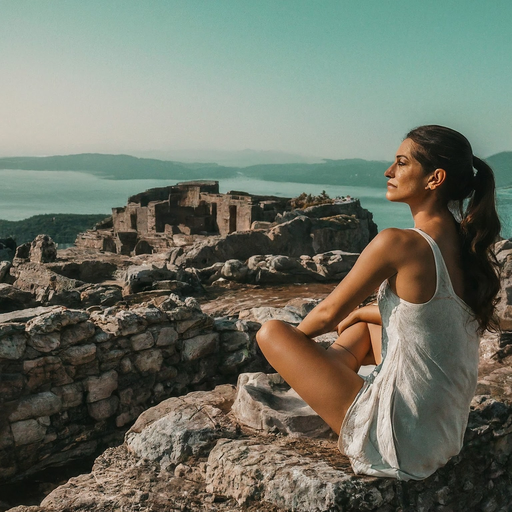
(197, 453)
(305, 233)
(273, 269)
(504, 255)
(72, 381)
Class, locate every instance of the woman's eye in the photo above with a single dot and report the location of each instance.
(400, 163)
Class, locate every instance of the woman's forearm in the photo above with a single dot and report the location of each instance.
(369, 314)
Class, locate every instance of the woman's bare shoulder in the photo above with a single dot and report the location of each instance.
(396, 238)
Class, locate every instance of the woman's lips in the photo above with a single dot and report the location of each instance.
(391, 185)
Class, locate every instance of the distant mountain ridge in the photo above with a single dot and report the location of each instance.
(354, 172)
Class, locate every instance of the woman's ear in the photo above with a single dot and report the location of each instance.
(436, 179)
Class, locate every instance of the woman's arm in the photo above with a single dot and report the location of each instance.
(369, 314)
(380, 260)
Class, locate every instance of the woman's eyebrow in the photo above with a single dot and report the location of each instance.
(401, 156)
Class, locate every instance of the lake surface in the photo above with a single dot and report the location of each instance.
(27, 193)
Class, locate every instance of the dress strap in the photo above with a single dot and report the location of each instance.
(443, 281)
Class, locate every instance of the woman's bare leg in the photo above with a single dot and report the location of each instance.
(359, 344)
(320, 377)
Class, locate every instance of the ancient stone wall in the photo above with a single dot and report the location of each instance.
(72, 381)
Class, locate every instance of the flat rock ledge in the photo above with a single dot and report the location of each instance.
(194, 453)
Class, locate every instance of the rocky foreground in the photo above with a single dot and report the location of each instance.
(257, 446)
(94, 354)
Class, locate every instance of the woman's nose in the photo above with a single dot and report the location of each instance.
(389, 172)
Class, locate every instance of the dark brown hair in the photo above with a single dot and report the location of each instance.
(471, 197)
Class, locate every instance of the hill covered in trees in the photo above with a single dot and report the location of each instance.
(354, 172)
(63, 228)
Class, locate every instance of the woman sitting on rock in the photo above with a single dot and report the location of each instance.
(438, 292)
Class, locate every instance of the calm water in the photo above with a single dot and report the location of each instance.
(27, 193)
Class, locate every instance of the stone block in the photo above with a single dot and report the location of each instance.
(45, 342)
(45, 370)
(196, 321)
(80, 354)
(166, 336)
(104, 408)
(42, 404)
(125, 366)
(142, 341)
(13, 346)
(119, 323)
(77, 333)
(234, 360)
(71, 395)
(266, 402)
(247, 470)
(153, 315)
(263, 314)
(99, 388)
(200, 346)
(233, 340)
(11, 385)
(28, 432)
(178, 428)
(149, 361)
(55, 319)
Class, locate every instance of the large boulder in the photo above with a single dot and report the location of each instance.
(12, 299)
(46, 286)
(43, 249)
(265, 402)
(179, 428)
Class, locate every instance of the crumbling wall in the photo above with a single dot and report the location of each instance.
(72, 381)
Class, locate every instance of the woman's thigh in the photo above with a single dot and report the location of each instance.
(321, 378)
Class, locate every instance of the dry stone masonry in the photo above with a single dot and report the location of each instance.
(72, 380)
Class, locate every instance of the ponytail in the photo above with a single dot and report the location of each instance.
(479, 229)
(471, 197)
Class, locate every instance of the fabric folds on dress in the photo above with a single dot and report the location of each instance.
(411, 414)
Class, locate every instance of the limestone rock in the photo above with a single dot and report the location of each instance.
(200, 346)
(119, 322)
(99, 388)
(43, 249)
(247, 470)
(12, 346)
(267, 403)
(504, 308)
(28, 432)
(235, 270)
(103, 409)
(178, 428)
(101, 295)
(12, 299)
(263, 314)
(46, 286)
(34, 406)
(54, 320)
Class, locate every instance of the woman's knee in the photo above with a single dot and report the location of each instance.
(270, 332)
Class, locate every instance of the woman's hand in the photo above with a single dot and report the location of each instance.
(369, 314)
(349, 320)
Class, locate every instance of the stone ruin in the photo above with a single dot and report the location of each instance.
(152, 218)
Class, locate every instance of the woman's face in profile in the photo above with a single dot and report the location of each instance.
(407, 182)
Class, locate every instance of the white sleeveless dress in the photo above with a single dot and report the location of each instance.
(410, 416)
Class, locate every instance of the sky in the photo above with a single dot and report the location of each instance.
(324, 78)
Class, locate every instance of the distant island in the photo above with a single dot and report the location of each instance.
(350, 172)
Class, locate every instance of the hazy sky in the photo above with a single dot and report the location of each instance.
(335, 79)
